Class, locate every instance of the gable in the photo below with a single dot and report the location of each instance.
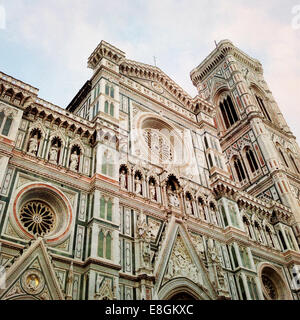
(32, 276)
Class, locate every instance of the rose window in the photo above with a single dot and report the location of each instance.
(37, 217)
(159, 146)
(270, 287)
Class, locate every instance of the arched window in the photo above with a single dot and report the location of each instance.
(263, 108)
(210, 161)
(2, 115)
(107, 89)
(235, 261)
(283, 159)
(7, 125)
(228, 111)
(102, 208)
(294, 164)
(112, 109)
(112, 92)
(108, 246)
(109, 210)
(251, 160)
(106, 107)
(101, 245)
(206, 143)
(239, 169)
(282, 240)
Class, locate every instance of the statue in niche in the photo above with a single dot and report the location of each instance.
(215, 261)
(189, 208)
(173, 198)
(200, 248)
(138, 185)
(213, 214)
(152, 189)
(53, 153)
(33, 145)
(74, 161)
(123, 179)
(144, 233)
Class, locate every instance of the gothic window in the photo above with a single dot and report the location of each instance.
(263, 108)
(112, 109)
(101, 244)
(107, 164)
(106, 209)
(37, 217)
(228, 111)
(107, 89)
(159, 147)
(242, 288)
(239, 169)
(105, 245)
(224, 215)
(258, 232)
(206, 143)
(290, 240)
(210, 161)
(112, 92)
(282, 157)
(235, 261)
(247, 226)
(213, 213)
(270, 237)
(6, 119)
(251, 160)
(106, 107)
(282, 240)
(296, 169)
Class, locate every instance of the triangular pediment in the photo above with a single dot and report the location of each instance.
(181, 263)
(157, 88)
(32, 276)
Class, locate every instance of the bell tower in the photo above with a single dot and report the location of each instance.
(261, 152)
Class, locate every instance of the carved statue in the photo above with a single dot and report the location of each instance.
(215, 262)
(189, 209)
(123, 179)
(33, 145)
(138, 185)
(173, 198)
(74, 161)
(200, 248)
(53, 153)
(152, 191)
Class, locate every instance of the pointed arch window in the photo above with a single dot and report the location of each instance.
(5, 123)
(106, 107)
(107, 89)
(112, 92)
(112, 109)
(229, 113)
(105, 245)
(251, 160)
(294, 164)
(283, 159)
(239, 169)
(263, 107)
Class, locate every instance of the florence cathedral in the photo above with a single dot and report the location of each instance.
(139, 191)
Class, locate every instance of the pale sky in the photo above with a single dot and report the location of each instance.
(47, 43)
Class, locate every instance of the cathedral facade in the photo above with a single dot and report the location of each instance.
(138, 191)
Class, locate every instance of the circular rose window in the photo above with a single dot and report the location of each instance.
(41, 210)
(37, 218)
